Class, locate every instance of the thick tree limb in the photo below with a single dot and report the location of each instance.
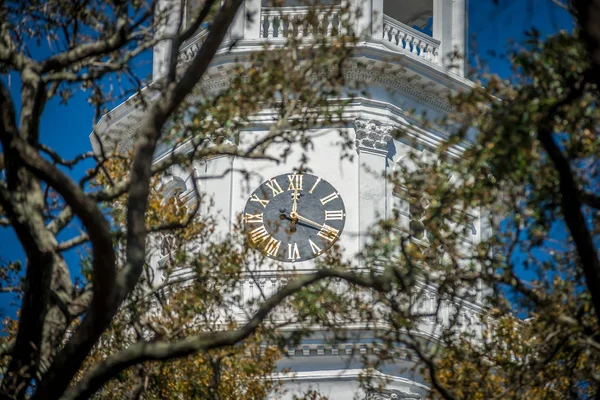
(588, 17)
(22, 201)
(589, 199)
(70, 358)
(144, 351)
(571, 204)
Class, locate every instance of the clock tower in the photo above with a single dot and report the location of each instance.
(295, 210)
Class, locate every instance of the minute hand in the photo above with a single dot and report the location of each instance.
(308, 221)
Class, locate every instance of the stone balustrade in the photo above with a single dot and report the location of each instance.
(299, 22)
(302, 22)
(411, 40)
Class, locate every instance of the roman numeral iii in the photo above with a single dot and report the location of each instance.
(334, 215)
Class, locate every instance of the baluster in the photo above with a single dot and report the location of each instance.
(300, 26)
(329, 28)
(278, 28)
(415, 45)
(403, 40)
(426, 51)
(284, 26)
(270, 25)
(386, 32)
(393, 35)
(320, 28)
(434, 55)
(422, 52)
(291, 26)
(262, 25)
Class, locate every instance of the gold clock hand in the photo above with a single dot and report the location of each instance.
(295, 215)
(295, 203)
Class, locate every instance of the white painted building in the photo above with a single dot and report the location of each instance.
(411, 73)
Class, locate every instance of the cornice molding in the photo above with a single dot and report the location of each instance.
(124, 126)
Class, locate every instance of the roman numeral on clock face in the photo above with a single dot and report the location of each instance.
(315, 249)
(328, 233)
(334, 215)
(295, 182)
(259, 235)
(274, 186)
(263, 202)
(329, 198)
(253, 218)
(314, 186)
(272, 247)
(293, 251)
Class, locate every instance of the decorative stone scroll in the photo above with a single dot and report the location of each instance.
(372, 134)
(385, 394)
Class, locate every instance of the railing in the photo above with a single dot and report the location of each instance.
(190, 49)
(298, 22)
(411, 40)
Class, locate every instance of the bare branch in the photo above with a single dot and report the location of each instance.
(57, 159)
(73, 242)
(124, 34)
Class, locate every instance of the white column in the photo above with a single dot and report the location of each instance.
(450, 28)
(169, 12)
(364, 18)
(442, 28)
(237, 27)
(377, 19)
(252, 26)
(459, 32)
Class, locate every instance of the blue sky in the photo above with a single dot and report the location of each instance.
(66, 128)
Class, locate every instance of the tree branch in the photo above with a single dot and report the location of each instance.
(145, 351)
(124, 34)
(70, 358)
(570, 204)
(587, 13)
(73, 242)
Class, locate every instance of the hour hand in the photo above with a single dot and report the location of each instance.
(295, 201)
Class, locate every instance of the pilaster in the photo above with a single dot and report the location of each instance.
(364, 9)
(459, 32)
(372, 138)
(377, 18)
(450, 27)
(251, 18)
(168, 12)
(238, 25)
